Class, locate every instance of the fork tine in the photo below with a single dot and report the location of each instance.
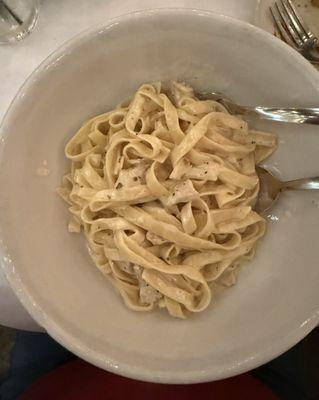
(287, 23)
(294, 21)
(279, 25)
(300, 20)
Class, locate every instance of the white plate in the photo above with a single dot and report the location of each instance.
(306, 9)
(276, 301)
(47, 36)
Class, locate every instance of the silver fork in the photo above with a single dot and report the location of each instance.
(292, 115)
(294, 30)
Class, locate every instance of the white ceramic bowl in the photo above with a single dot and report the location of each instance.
(276, 301)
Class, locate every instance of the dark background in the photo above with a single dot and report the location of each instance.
(26, 356)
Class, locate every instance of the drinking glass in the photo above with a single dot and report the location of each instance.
(17, 19)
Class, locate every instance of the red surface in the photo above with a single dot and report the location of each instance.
(80, 380)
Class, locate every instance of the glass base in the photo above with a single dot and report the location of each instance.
(21, 31)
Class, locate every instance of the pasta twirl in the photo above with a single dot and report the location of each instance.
(163, 188)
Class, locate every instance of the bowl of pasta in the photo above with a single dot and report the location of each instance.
(127, 218)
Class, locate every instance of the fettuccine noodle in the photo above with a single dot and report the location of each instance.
(163, 188)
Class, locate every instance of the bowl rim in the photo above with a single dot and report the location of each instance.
(55, 329)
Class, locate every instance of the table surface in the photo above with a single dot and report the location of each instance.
(58, 22)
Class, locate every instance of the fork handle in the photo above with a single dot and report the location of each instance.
(301, 184)
(293, 115)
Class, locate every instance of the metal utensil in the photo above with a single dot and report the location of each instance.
(271, 187)
(294, 30)
(295, 115)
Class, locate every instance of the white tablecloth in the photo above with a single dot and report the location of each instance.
(59, 20)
